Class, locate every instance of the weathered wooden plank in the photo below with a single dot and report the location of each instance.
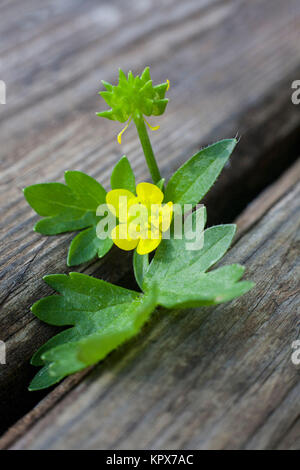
(213, 378)
(25, 257)
(267, 199)
(241, 81)
(254, 212)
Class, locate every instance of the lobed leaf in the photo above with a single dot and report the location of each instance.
(103, 317)
(71, 207)
(181, 276)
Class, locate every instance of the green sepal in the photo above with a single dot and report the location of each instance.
(122, 176)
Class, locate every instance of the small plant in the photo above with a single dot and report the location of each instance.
(143, 218)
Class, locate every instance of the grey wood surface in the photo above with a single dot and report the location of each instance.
(214, 378)
(230, 63)
(247, 220)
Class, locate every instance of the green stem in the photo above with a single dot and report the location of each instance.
(147, 148)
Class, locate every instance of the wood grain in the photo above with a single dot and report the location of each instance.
(214, 378)
(266, 200)
(254, 213)
(230, 63)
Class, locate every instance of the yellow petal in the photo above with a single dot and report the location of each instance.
(154, 218)
(120, 200)
(149, 194)
(166, 213)
(147, 245)
(137, 220)
(120, 238)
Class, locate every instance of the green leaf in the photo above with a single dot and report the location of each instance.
(103, 316)
(74, 203)
(212, 288)
(86, 245)
(87, 190)
(67, 221)
(50, 199)
(192, 181)
(68, 208)
(161, 184)
(181, 276)
(171, 256)
(122, 329)
(122, 176)
(140, 267)
(43, 380)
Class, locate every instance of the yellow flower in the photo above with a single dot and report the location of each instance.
(142, 217)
